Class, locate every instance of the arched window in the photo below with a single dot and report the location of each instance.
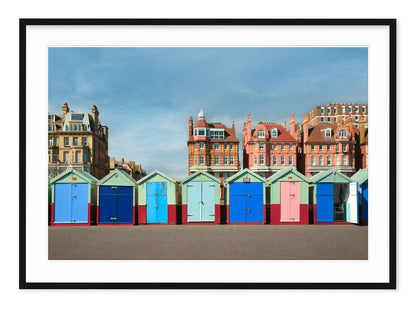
(274, 133)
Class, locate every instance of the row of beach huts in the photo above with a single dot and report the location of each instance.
(287, 197)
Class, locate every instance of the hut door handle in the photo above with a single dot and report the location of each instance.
(155, 206)
(113, 218)
(249, 195)
(73, 196)
(249, 210)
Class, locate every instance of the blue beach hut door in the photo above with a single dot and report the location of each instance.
(246, 202)
(201, 201)
(157, 202)
(364, 202)
(71, 203)
(116, 205)
(325, 202)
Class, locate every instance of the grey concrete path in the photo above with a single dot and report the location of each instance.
(219, 242)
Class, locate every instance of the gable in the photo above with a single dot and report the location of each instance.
(156, 176)
(245, 175)
(74, 176)
(117, 178)
(200, 176)
(287, 174)
(331, 176)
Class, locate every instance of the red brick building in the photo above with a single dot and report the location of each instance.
(212, 147)
(328, 145)
(269, 147)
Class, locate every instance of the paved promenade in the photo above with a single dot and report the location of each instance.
(219, 242)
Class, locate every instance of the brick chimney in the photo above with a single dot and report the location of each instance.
(249, 127)
(65, 110)
(361, 127)
(292, 125)
(95, 114)
(305, 127)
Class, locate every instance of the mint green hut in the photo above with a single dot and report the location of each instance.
(289, 197)
(159, 197)
(201, 199)
(74, 198)
(362, 178)
(334, 197)
(246, 198)
(117, 199)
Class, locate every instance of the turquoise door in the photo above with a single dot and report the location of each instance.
(71, 203)
(157, 202)
(201, 201)
(364, 202)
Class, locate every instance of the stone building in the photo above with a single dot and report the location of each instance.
(77, 140)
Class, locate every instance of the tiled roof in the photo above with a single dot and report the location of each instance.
(201, 123)
(283, 134)
(318, 134)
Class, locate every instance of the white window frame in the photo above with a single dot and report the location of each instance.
(312, 146)
(344, 147)
(274, 160)
(290, 146)
(328, 160)
(343, 109)
(231, 146)
(260, 133)
(201, 144)
(282, 146)
(274, 146)
(290, 160)
(216, 160)
(274, 133)
(321, 146)
(282, 158)
(341, 132)
(231, 160)
(261, 159)
(201, 157)
(225, 146)
(321, 160)
(216, 146)
(261, 146)
(344, 160)
(313, 160)
(255, 160)
(225, 160)
(328, 147)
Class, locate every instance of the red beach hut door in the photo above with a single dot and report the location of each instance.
(289, 201)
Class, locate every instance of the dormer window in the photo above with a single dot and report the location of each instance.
(342, 134)
(260, 134)
(77, 117)
(327, 132)
(274, 133)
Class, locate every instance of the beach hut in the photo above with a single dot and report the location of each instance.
(116, 199)
(335, 199)
(362, 178)
(289, 197)
(74, 194)
(246, 203)
(201, 199)
(158, 199)
(49, 201)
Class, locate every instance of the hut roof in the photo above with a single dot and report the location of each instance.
(330, 176)
(81, 174)
(197, 173)
(126, 178)
(242, 172)
(361, 176)
(154, 173)
(285, 172)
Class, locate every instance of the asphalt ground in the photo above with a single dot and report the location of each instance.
(209, 242)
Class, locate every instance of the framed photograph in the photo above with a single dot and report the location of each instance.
(187, 98)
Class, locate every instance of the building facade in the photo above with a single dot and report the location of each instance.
(269, 147)
(328, 146)
(213, 148)
(338, 112)
(77, 140)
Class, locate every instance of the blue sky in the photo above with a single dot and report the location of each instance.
(146, 95)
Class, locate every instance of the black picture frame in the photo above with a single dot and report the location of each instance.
(24, 23)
